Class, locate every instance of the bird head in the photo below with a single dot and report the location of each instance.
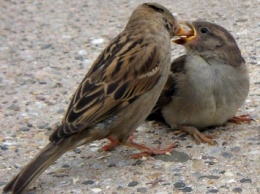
(210, 40)
(158, 15)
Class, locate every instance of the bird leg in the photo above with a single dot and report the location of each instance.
(197, 135)
(241, 119)
(146, 150)
(111, 145)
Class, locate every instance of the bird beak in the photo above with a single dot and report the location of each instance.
(185, 36)
(183, 32)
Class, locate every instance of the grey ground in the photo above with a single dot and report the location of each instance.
(46, 47)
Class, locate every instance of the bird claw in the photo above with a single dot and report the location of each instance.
(197, 135)
(149, 151)
(246, 118)
(146, 150)
(204, 138)
(111, 145)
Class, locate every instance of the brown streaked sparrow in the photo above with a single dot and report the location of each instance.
(207, 85)
(117, 94)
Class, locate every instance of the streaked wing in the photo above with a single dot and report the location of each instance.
(171, 87)
(126, 69)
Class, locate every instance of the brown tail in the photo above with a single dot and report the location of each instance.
(34, 169)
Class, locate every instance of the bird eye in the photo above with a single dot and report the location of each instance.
(204, 30)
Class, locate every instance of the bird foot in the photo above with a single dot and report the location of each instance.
(197, 135)
(246, 118)
(153, 151)
(111, 145)
(146, 150)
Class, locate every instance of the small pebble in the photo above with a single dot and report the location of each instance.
(174, 157)
(58, 85)
(229, 173)
(65, 183)
(82, 52)
(77, 150)
(79, 58)
(61, 111)
(87, 62)
(141, 190)
(132, 184)
(14, 107)
(245, 180)
(210, 162)
(252, 139)
(241, 20)
(2, 183)
(112, 164)
(43, 126)
(65, 36)
(42, 82)
(9, 143)
(157, 142)
(213, 191)
(48, 128)
(120, 188)
(65, 166)
(29, 125)
(179, 185)
(137, 162)
(231, 181)
(208, 157)
(187, 189)
(124, 163)
(235, 149)
(88, 182)
(224, 187)
(24, 129)
(96, 190)
(97, 41)
(46, 46)
(237, 190)
(226, 154)
(40, 97)
(212, 177)
(165, 184)
(3, 147)
(197, 174)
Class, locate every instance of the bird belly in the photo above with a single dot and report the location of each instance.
(209, 96)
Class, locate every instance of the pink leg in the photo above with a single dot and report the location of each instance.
(113, 143)
(146, 150)
(241, 119)
(197, 135)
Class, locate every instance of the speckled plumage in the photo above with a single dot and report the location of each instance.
(208, 84)
(117, 93)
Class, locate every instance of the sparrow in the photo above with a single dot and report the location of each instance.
(207, 85)
(117, 93)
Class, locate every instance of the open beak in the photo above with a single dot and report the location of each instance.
(185, 35)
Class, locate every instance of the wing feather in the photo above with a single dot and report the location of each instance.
(170, 89)
(126, 69)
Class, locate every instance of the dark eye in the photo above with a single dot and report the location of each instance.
(204, 30)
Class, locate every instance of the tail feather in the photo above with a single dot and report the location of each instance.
(34, 169)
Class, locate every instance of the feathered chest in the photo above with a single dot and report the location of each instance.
(225, 83)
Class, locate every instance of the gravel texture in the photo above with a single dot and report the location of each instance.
(46, 47)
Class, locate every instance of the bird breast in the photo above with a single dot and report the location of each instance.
(209, 93)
